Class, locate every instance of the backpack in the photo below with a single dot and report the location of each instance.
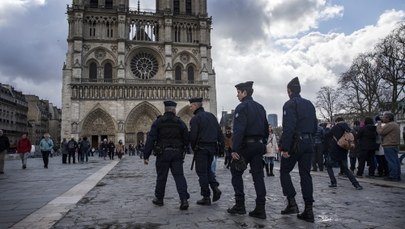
(346, 141)
(85, 145)
(71, 145)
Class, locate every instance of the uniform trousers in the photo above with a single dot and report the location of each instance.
(206, 177)
(170, 160)
(253, 155)
(304, 158)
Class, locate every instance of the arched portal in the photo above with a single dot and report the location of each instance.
(139, 121)
(98, 125)
(185, 114)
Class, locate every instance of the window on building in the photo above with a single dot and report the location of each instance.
(177, 76)
(108, 4)
(93, 3)
(92, 29)
(189, 35)
(176, 7)
(177, 34)
(108, 72)
(188, 7)
(190, 74)
(109, 29)
(93, 72)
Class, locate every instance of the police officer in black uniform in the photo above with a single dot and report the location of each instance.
(250, 132)
(299, 126)
(206, 139)
(168, 137)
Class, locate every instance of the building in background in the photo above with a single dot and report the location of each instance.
(122, 63)
(272, 119)
(226, 120)
(55, 120)
(43, 118)
(13, 113)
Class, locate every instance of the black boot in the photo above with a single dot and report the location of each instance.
(307, 214)
(271, 170)
(158, 202)
(259, 212)
(291, 208)
(238, 208)
(183, 205)
(204, 201)
(216, 193)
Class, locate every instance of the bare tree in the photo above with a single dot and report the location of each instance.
(327, 102)
(391, 68)
(360, 86)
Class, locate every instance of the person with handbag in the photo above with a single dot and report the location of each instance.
(337, 154)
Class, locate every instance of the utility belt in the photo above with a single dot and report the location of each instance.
(158, 149)
(253, 140)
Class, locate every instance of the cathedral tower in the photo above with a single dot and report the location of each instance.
(123, 62)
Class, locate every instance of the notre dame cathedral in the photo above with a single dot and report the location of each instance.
(123, 62)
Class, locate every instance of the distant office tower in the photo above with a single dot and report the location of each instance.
(272, 119)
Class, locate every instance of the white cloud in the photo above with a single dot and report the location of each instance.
(290, 17)
(318, 59)
(11, 8)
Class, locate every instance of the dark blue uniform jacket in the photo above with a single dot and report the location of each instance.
(204, 129)
(249, 122)
(299, 116)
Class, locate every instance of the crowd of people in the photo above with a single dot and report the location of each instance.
(252, 141)
(374, 154)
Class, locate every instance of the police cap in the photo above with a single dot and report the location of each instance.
(244, 86)
(196, 100)
(294, 85)
(169, 103)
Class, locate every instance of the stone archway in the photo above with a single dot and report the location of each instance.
(139, 121)
(185, 114)
(98, 124)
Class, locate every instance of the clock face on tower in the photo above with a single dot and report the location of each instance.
(144, 65)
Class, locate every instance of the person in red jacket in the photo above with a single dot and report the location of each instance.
(24, 148)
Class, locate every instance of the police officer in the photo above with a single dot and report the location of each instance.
(168, 137)
(206, 139)
(250, 131)
(299, 126)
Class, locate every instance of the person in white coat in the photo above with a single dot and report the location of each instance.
(271, 151)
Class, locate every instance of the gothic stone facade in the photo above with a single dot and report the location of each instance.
(122, 63)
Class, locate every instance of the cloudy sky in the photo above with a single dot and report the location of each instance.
(267, 41)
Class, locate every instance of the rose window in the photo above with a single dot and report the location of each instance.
(144, 65)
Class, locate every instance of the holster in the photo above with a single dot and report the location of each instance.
(157, 150)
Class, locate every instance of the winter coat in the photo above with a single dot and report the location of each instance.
(390, 133)
(367, 138)
(24, 145)
(271, 147)
(336, 152)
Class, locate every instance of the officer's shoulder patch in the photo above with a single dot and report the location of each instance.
(236, 115)
(285, 112)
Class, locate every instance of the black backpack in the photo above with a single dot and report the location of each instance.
(71, 145)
